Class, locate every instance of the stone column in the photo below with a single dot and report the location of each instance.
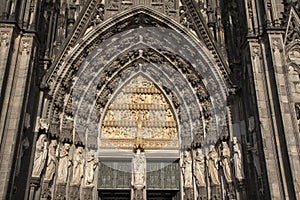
(15, 100)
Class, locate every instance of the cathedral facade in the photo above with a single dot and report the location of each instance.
(149, 99)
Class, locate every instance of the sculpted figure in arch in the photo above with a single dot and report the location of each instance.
(212, 164)
(52, 161)
(187, 170)
(226, 162)
(237, 157)
(78, 166)
(65, 162)
(91, 165)
(199, 169)
(139, 176)
(40, 155)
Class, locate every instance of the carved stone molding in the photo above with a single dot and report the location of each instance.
(60, 192)
(256, 51)
(292, 35)
(26, 45)
(4, 38)
(276, 44)
(294, 56)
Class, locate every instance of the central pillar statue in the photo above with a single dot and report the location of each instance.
(138, 183)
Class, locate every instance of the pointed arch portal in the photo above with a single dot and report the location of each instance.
(138, 79)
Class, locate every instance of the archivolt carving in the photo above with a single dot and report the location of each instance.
(110, 86)
(107, 85)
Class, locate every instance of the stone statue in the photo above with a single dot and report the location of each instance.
(91, 165)
(226, 162)
(43, 124)
(187, 170)
(199, 169)
(139, 176)
(212, 164)
(237, 157)
(23, 147)
(52, 161)
(40, 155)
(65, 161)
(78, 166)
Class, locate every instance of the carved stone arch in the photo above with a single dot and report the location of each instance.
(107, 90)
(61, 78)
(191, 75)
(120, 23)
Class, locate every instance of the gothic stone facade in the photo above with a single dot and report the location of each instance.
(213, 84)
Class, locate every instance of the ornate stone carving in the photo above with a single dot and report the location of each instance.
(43, 125)
(51, 161)
(78, 166)
(294, 56)
(168, 7)
(187, 175)
(226, 162)
(237, 157)
(26, 46)
(276, 44)
(256, 51)
(4, 37)
(40, 155)
(74, 192)
(213, 166)
(199, 169)
(91, 165)
(60, 193)
(187, 170)
(139, 114)
(87, 193)
(65, 162)
(138, 176)
(292, 32)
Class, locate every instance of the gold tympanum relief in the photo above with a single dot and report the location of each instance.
(139, 115)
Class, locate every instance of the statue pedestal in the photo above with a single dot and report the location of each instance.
(87, 193)
(188, 194)
(74, 192)
(202, 193)
(216, 192)
(46, 191)
(60, 192)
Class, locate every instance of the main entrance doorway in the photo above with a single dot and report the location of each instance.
(151, 195)
(139, 116)
(161, 180)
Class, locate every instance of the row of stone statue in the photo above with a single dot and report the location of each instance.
(206, 170)
(56, 160)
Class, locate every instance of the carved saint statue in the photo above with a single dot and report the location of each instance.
(78, 166)
(226, 162)
(199, 169)
(212, 164)
(65, 161)
(40, 155)
(139, 176)
(187, 170)
(52, 161)
(91, 165)
(237, 157)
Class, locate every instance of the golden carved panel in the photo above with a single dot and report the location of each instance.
(139, 115)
